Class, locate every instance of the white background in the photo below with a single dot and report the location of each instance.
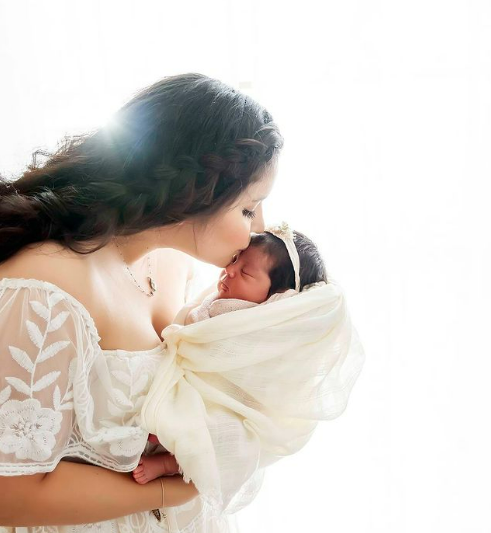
(386, 110)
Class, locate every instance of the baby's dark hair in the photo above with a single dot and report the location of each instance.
(282, 275)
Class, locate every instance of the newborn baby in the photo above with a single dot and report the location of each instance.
(260, 274)
(250, 275)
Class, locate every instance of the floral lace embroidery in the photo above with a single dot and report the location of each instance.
(27, 429)
(108, 413)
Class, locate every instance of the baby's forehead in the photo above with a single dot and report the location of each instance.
(257, 256)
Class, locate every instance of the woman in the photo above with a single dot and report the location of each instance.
(94, 261)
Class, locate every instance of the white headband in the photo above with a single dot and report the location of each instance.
(285, 233)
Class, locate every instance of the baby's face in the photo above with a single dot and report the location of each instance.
(247, 278)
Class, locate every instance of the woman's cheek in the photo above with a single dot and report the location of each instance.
(238, 235)
(234, 232)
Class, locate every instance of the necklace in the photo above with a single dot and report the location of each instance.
(151, 281)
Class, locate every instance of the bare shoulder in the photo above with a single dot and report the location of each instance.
(48, 261)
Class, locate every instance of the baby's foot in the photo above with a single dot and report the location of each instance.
(153, 466)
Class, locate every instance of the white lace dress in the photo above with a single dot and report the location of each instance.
(64, 398)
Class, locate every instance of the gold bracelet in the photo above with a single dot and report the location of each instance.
(162, 485)
(156, 512)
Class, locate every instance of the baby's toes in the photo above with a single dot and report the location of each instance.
(143, 479)
(138, 469)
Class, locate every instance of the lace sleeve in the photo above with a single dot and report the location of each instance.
(42, 341)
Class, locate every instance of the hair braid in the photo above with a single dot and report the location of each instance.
(186, 146)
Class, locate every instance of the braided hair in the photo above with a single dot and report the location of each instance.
(186, 146)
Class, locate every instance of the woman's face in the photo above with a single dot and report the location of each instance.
(229, 231)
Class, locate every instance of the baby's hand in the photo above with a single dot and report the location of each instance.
(153, 466)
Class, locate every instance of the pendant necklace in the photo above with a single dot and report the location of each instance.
(151, 281)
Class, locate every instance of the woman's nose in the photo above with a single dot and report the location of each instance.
(257, 225)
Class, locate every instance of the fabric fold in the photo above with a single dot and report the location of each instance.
(238, 391)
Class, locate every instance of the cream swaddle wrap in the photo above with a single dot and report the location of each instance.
(240, 390)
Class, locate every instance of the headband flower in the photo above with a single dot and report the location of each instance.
(285, 233)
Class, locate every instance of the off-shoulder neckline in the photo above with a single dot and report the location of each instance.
(37, 283)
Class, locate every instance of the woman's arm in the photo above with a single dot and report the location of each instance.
(76, 493)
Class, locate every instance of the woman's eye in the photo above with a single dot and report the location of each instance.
(248, 214)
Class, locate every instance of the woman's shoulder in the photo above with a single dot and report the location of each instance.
(52, 267)
(43, 261)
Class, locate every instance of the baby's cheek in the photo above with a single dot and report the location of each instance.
(255, 294)
(266, 287)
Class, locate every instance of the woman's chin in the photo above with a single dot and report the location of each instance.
(224, 262)
(219, 263)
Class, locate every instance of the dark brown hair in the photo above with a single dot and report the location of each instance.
(282, 275)
(186, 146)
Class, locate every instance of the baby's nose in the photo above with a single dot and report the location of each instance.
(230, 270)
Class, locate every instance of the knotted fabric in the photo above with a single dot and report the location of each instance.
(238, 391)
